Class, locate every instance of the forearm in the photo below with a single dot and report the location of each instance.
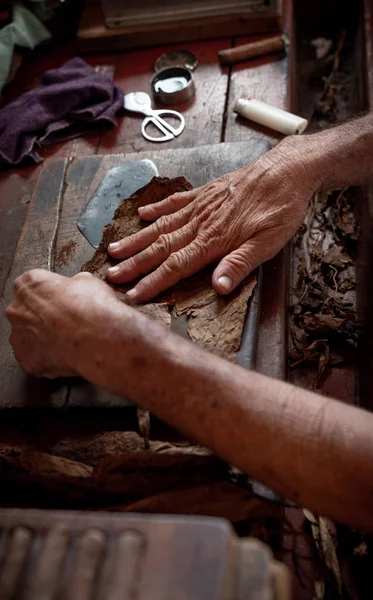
(315, 451)
(337, 157)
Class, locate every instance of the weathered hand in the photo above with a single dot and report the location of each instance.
(46, 315)
(243, 218)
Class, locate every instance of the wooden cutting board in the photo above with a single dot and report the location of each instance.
(50, 240)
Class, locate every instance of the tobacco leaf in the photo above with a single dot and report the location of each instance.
(91, 450)
(223, 499)
(145, 474)
(322, 324)
(41, 463)
(324, 327)
(325, 535)
(118, 478)
(215, 322)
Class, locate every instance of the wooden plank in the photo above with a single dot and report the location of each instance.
(94, 36)
(203, 113)
(35, 248)
(15, 193)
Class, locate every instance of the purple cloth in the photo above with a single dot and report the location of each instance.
(70, 101)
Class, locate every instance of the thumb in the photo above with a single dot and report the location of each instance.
(237, 265)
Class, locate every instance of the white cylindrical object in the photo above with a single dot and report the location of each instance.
(270, 116)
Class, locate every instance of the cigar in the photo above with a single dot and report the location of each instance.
(268, 46)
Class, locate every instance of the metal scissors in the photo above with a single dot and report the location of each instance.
(141, 103)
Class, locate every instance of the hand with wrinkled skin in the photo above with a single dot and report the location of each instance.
(242, 219)
(46, 315)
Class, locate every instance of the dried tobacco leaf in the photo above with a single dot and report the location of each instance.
(222, 499)
(325, 535)
(41, 463)
(215, 322)
(91, 450)
(146, 474)
(324, 329)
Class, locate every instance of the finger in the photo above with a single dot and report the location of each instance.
(150, 258)
(179, 265)
(139, 241)
(168, 206)
(237, 265)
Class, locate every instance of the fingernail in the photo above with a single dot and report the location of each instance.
(113, 270)
(140, 210)
(114, 246)
(225, 283)
(131, 293)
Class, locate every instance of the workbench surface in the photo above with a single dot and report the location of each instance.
(210, 120)
(32, 202)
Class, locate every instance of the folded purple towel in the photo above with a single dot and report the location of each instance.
(70, 101)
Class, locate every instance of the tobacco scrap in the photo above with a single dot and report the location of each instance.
(214, 322)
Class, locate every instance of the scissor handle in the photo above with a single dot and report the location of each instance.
(168, 130)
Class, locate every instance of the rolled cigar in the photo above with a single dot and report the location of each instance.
(240, 53)
(270, 116)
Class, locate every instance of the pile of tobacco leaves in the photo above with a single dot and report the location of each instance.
(324, 326)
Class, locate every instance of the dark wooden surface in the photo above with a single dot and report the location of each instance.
(94, 36)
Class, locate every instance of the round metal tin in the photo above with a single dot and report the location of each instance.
(173, 85)
(180, 58)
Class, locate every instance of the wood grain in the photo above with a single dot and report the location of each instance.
(16, 189)
(35, 248)
(94, 36)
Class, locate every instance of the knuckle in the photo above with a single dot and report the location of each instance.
(240, 261)
(174, 200)
(20, 281)
(164, 223)
(130, 264)
(162, 245)
(174, 263)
